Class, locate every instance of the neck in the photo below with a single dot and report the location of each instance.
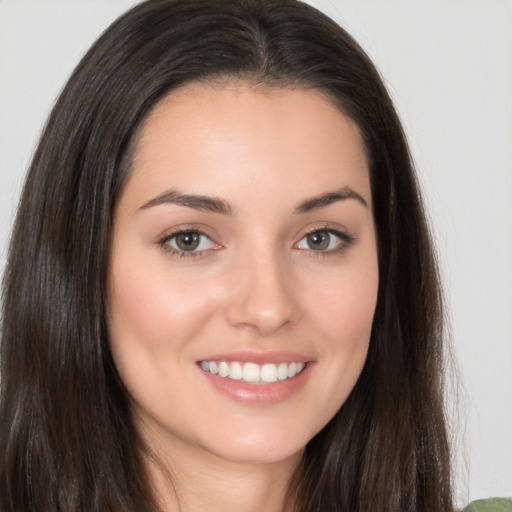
(201, 482)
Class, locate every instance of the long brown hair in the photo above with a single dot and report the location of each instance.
(67, 440)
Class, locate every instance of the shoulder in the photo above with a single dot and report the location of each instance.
(491, 505)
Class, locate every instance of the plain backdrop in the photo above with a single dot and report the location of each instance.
(448, 66)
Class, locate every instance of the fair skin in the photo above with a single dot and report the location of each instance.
(243, 244)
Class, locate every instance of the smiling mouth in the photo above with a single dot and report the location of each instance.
(252, 373)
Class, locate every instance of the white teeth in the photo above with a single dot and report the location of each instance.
(292, 370)
(282, 371)
(236, 372)
(269, 373)
(253, 373)
(223, 369)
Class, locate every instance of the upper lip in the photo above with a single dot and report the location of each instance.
(259, 357)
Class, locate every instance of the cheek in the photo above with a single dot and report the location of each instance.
(346, 308)
(343, 311)
(152, 310)
(154, 320)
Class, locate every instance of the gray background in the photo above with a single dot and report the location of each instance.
(448, 65)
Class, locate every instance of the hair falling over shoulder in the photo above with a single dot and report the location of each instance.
(67, 438)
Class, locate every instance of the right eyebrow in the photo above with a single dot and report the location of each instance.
(195, 201)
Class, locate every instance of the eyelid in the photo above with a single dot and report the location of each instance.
(325, 226)
(334, 229)
(163, 240)
(186, 228)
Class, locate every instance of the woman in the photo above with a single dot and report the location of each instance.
(220, 290)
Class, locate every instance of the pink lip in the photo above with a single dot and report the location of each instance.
(259, 357)
(258, 394)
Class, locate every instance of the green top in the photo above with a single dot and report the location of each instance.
(491, 505)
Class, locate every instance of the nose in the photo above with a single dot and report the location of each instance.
(261, 294)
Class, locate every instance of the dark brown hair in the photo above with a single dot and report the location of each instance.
(67, 440)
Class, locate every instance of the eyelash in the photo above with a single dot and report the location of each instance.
(164, 244)
(345, 241)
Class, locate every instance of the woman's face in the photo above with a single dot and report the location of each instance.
(244, 277)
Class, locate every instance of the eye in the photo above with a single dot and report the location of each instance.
(324, 240)
(188, 241)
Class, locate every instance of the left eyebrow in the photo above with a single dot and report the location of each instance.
(328, 198)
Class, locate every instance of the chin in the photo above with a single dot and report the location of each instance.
(260, 445)
(259, 453)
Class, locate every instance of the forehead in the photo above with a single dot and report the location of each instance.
(235, 137)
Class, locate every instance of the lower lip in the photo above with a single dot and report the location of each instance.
(259, 394)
